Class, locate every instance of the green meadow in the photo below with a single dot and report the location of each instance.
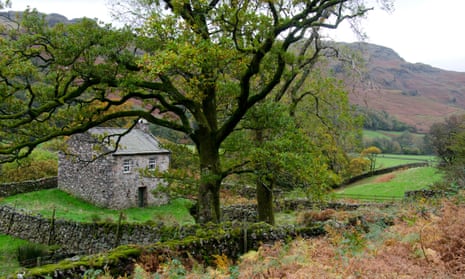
(391, 185)
(391, 160)
(67, 207)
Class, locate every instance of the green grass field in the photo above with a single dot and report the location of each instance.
(8, 247)
(391, 185)
(391, 160)
(70, 208)
(372, 134)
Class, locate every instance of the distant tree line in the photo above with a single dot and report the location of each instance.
(407, 142)
(381, 120)
(403, 143)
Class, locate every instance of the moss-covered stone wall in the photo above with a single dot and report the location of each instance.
(73, 236)
(85, 238)
(199, 243)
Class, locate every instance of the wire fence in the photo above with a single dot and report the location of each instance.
(51, 259)
(375, 198)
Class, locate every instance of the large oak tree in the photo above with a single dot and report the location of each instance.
(192, 66)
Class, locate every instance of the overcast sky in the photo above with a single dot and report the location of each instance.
(426, 31)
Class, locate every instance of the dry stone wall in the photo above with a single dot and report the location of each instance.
(203, 243)
(72, 236)
(10, 189)
(424, 193)
(87, 238)
(248, 212)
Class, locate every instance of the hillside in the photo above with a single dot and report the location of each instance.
(416, 94)
(9, 18)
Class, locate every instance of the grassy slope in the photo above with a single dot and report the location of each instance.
(372, 134)
(394, 184)
(391, 160)
(70, 208)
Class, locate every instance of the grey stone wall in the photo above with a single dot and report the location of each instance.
(87, 238)
(128, 184)
(248, 212)
(100, 179)
(10, 189)
(73, 236)
(207, 240)
(82, 177)
(424, 193)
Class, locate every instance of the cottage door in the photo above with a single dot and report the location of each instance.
(142, 196)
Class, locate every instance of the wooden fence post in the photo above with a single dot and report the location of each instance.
(51, 233)
(118, 230)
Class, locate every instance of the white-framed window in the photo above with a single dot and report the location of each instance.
(126, 166)
(152, 163)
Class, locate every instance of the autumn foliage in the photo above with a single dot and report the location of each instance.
(425, 241)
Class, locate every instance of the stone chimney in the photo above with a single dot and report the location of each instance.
(143, 125)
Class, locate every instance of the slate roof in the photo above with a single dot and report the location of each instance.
(135, 142)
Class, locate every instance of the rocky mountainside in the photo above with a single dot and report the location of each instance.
(416, 94)
(10, 17)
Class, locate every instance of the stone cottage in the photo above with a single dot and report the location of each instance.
(103, 166)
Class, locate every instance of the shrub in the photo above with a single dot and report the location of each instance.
(149, 262)
(451, 242)
(29, 254)
(307, 218)
(96, 218)
(41, 163)
(358, 165)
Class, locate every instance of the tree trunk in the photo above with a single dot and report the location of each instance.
(208, 200)
(265, 202)
(264, 192)
(208, 203)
